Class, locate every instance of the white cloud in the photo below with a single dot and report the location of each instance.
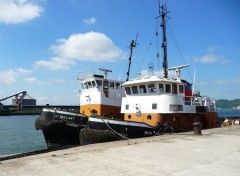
(55, 63)
(220, 82)
(32, 80)
(91, 46)
(60, 81)
(89, 21)
(214, 48)
(23, 71)
(210, 58)
(18, 11)
(56, 81)
(10, 76)
(227, 82)
(171, 73)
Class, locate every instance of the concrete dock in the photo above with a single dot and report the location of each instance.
(215, 152)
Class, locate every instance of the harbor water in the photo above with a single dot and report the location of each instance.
(18, 133)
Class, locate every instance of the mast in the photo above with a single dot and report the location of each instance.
(132, 45)
(164, 38)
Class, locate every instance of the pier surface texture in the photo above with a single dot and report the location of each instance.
(215, 152)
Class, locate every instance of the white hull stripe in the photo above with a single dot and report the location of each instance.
(118, 122)
(63, 112)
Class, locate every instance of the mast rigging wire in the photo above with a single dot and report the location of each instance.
(179, 50)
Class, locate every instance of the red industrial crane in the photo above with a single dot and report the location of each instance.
(18, 98)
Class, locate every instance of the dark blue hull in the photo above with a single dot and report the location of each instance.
(60, 128)
(129, 129)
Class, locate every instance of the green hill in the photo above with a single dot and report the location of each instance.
(226, 104)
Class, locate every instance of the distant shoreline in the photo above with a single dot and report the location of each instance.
(12, 114)
(20, 112)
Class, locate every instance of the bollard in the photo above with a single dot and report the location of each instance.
(197, 127)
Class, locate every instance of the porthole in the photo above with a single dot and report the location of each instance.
(149, 117)
(129, 116)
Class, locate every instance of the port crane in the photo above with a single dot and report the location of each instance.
(18, 98)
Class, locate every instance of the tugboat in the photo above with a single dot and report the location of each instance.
(98, 95)
(155, 105)
(147, 105)
(60, 128)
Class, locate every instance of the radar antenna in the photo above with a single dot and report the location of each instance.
(105, 72)
(178, 70)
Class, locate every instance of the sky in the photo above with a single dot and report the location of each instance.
(45, 43)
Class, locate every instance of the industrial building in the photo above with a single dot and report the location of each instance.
(20, 100)
(26, 101)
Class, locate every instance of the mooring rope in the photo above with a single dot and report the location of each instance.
(114, 130)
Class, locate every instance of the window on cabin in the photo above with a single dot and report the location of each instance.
(128, 91)
(174, 88)
(173, 107)
(117, 85)
(105, 84)
(154, 106)
(134, 90)
(127, 107)
(82, 86)
(161, 88)
(99, 83)
(94, 84)
(111, 85)
(180, 88)
(86, 85)
(151, 88)
(168, 88)
(142, 89)
(89, 84)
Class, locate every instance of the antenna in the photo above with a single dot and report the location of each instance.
(163, 13)
(105, 72)
(150, 67)
(194, 79)
(178, 70)
(132, 45)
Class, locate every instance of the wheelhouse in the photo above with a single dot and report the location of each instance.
(154, 86)
(99, 95)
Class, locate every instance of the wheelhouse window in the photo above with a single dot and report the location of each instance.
(161, 88)
(180, 88)
(85, 85)
(142, 89)
(105, 84)
(128, 90)
(151, 88)
(168, 88)
(82, 86)
(134, 90)
(117, 85)
(174, 88)
(89, 84)
(94, 84)
(99, 83)
(111, 85)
